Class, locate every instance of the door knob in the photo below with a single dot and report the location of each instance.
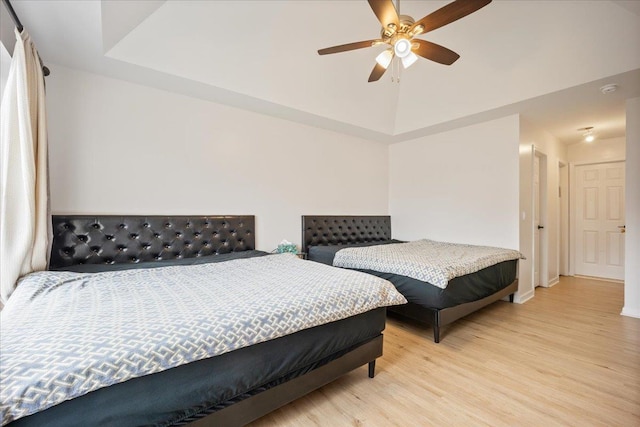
(623, 228)
(540, 227)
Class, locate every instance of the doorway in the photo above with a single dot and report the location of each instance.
(563, 219)
(540, 275)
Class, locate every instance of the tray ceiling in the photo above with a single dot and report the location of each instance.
(527, 57)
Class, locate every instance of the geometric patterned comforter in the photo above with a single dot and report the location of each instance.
(427, 260)
(66, 334)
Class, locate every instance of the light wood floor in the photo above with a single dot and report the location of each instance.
(566, 357)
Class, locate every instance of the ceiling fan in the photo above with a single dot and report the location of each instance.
(399, 32)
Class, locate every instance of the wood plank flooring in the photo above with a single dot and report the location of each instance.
(564, 358)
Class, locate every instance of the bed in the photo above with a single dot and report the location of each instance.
(324, 236)
(154, 278)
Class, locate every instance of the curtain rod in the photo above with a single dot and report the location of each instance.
(20, 27)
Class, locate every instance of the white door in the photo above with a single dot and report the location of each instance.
(600, 220)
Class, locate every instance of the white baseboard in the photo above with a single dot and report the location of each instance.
(631, 312)
(522, 298)
(553, 282)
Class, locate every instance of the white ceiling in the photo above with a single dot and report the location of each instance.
(543, 59)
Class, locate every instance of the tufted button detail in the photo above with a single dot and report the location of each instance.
(128, 235)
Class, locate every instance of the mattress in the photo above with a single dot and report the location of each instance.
(460, 290)
(190, 391)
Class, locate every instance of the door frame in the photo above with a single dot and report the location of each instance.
(543, 212)
(572, 208)
(563, 218)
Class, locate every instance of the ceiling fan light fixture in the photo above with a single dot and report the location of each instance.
(384, 59)
(398, 32)
(408, 60)
(402, 47)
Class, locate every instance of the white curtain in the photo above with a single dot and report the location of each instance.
(24, 183)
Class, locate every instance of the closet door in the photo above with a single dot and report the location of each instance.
(600, 220)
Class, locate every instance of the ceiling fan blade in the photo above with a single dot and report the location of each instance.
(385, 12)
(447, 14)
(435, 52)
(377, 72)
(348, 46)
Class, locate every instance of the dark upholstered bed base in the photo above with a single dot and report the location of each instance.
(344, 230)
(261, 404)
(111, 239)
(444, 316)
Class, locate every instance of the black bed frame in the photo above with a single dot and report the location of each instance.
(349, 229)
(110, 239)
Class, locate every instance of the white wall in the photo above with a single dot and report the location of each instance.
(122, 148)
(7, 30)
(5, 66)
(601, 150)
(458, 186)
(632, 242)
(555, 152)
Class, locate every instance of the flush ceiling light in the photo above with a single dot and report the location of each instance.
(587, 132)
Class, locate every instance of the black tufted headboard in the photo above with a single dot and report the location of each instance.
(342, 230)
(113, 239)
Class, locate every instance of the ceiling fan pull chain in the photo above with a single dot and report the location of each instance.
(393, 71)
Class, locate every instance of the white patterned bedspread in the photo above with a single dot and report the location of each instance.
(65, 334)
(426, 260)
